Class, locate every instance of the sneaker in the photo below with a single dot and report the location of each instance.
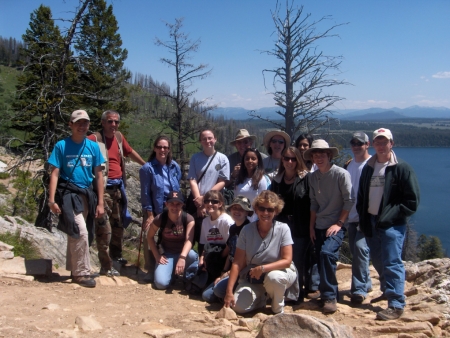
(391, 313)
(121, 260)
(109, 272)
(329, 305)
(85, 281)
(149, 277)
(378, 299)
(313, 295)
(357, 299)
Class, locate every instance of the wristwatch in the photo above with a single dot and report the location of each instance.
(340, 223)
(50, 203)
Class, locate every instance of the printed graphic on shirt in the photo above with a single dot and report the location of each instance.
(85, 161)
(377, 181)
(214, 235)
(173, 232)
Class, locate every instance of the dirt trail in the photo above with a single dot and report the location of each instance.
(123, 307)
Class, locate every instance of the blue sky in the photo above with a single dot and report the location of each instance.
(396, 52)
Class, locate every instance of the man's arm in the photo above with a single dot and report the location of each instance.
(219, 185)
(135, 157)
(100, 210)
(54, 207)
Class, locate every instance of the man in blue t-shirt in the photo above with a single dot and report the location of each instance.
(74, 162)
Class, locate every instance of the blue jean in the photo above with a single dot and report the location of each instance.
(299, 250)
(165, 272)
(215, 293)
(327, 249)
(361, 281)
(312, 278)
(386, 252)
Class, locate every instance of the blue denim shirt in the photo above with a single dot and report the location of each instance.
(152, 184)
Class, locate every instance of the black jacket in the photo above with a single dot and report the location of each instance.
(299, 224)
(68, 199)
(401, 195)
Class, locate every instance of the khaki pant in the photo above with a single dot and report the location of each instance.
(77, 259)
(249, 297)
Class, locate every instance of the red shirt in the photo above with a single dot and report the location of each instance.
(115, 170)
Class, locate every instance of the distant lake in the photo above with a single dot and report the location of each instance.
(432, 167)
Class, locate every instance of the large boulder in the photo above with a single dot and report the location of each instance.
(51, 245)
(304, 326)
(134, 190)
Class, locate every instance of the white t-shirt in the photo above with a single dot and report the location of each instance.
(219, 168)
(245, 189)
(217, 231)
(377, 187)
(355, 169)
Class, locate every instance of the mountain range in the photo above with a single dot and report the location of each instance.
(371, 114)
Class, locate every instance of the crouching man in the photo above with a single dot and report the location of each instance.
(72, 197)
(388, 194)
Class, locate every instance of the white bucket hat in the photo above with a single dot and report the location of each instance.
(320, 144)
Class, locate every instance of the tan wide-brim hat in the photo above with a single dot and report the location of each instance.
(241, 134)
(320, 144)
(273, 133)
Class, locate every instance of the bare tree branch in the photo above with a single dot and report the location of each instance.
(299, 82)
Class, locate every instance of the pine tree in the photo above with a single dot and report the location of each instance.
(101, 71)
(37, 91)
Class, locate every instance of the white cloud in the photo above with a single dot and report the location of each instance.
(442, 75)
(434, 103)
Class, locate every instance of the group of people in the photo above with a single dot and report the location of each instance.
(278, 239)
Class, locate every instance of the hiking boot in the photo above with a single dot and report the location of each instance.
(149, 277)
(391, 313)
(313, 295)
(121, 260)
(329, 305)
(378, 299)
(357, 299)
(85, 281)
(109, 272)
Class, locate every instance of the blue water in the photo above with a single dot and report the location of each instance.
(431, 166)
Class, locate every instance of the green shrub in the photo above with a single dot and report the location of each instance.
(429, 247)
(22, 246)
(3, 189)
(4, 175)
(25, 201)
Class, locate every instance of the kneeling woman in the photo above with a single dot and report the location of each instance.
(263, 261)
(173, 254)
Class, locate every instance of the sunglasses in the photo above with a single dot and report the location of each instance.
(277, 141)
(356, 144)
(269, 210)
(211, 201)
(287, 159)
(113, 122)
(162, 147)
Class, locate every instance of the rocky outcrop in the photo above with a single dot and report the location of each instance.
(51, 245)
(134, 191)
(298, 325)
